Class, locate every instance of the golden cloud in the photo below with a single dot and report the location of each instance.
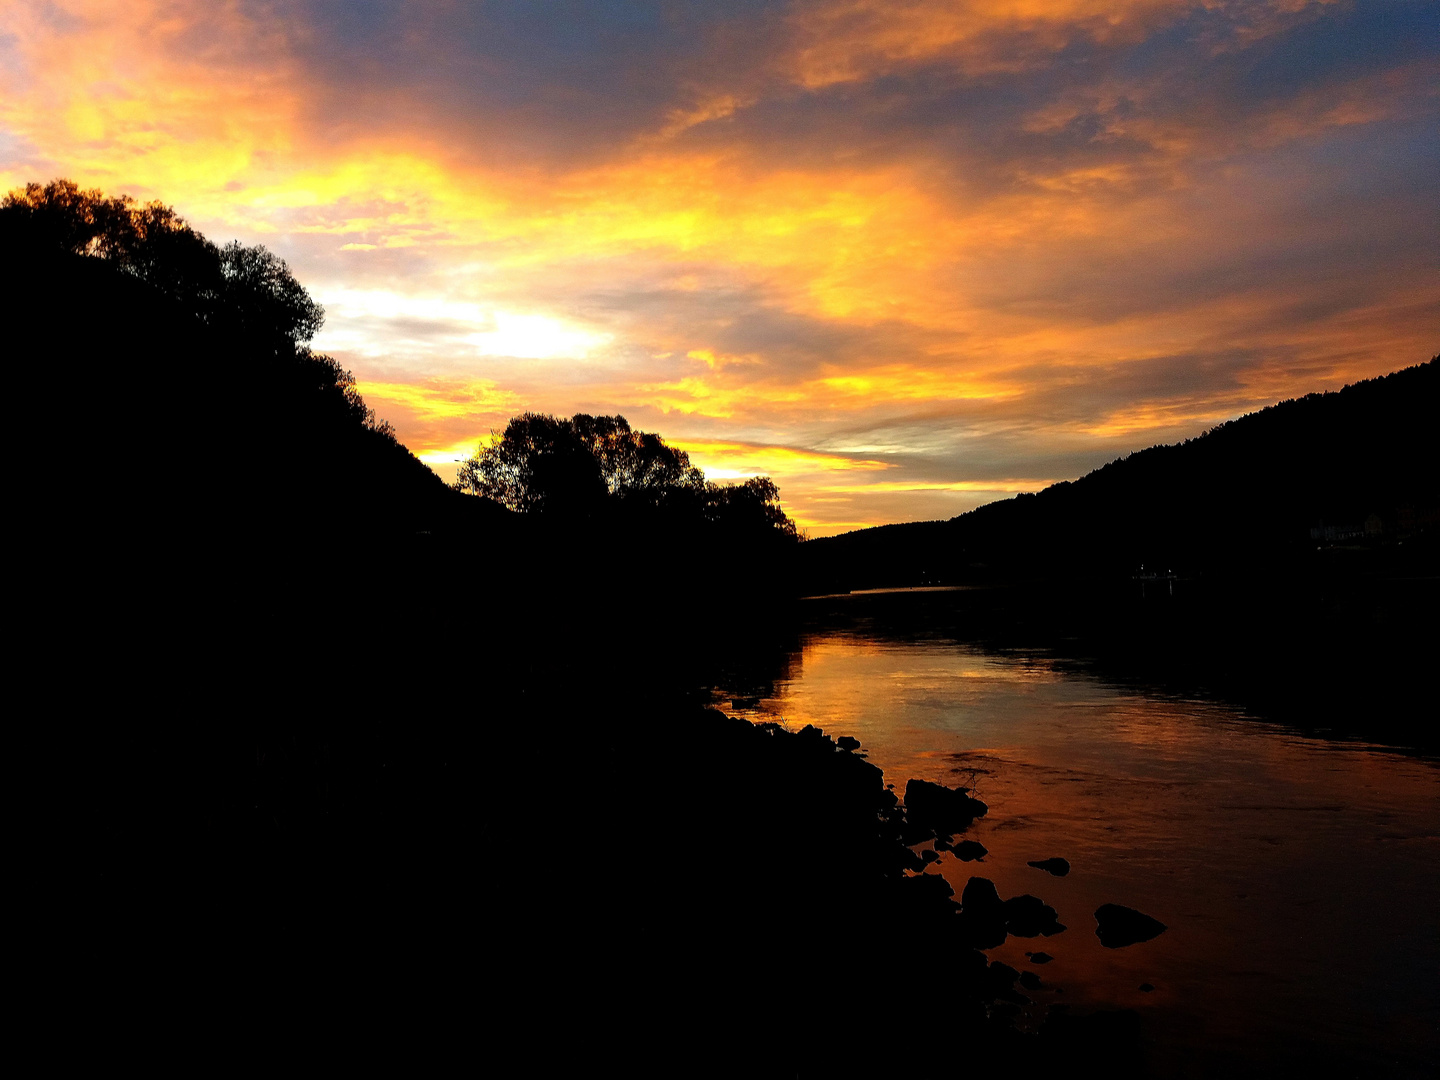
(440, 399)
(864, 39)
(729, 460)
(1002, 294)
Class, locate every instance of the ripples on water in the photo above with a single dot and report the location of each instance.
(1299, 878)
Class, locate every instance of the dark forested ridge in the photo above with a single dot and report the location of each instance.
(1288, 561)
(1261, 493)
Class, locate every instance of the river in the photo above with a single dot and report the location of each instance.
(1299, 877)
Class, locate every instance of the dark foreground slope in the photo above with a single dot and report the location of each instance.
(336, 753)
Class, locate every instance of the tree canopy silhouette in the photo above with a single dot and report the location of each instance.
(546, 464)
(186, 360)
(263, 293)
(240, 287)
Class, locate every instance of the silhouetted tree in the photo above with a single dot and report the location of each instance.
(159, 247)
(539, 464)
(637, 466)
(262, 292)
(335, 386)
(237, 288)
(543, 463)
(749, 507)
(249, 288)
(60, 214)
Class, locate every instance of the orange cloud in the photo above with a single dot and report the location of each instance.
(439, 399)
(730, 460)
(778, 258)
(146, 94)
(863, 39)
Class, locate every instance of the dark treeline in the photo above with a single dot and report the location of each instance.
(1288, 561)
(611, 512)
(594, 465)
(171, 386)
(1264, 492)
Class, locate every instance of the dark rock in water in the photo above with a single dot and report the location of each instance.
(1029, 916)
(1119, 926)
(980, 897)
(982, 915)
(928, 857)
(940, 809)
(1145, 988)
(1029, 980)
(911, 833)
(970, 850)
(931, 887)
(942, 843)
(848, 742)
(980, 931)
(1058, 867)
(1039, 957)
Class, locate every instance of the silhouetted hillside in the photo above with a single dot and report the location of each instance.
(147, 418)
(211, 535)
(1285, 561)
(1356, 467)
(194, 442)
(234, 586)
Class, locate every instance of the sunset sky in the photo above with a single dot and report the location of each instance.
(904, 257)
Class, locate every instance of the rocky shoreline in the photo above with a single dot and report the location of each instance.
(675, 890)
(798, 875)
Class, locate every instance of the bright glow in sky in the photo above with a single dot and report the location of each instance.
(904, 257)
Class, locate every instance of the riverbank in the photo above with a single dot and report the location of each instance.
(577, 870)
(1294, 870)
(675, 889)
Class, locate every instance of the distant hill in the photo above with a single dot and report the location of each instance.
(1355, 468)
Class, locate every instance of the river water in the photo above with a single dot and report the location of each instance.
(1299, 878)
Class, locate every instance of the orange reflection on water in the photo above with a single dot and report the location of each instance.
(1298, 878)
